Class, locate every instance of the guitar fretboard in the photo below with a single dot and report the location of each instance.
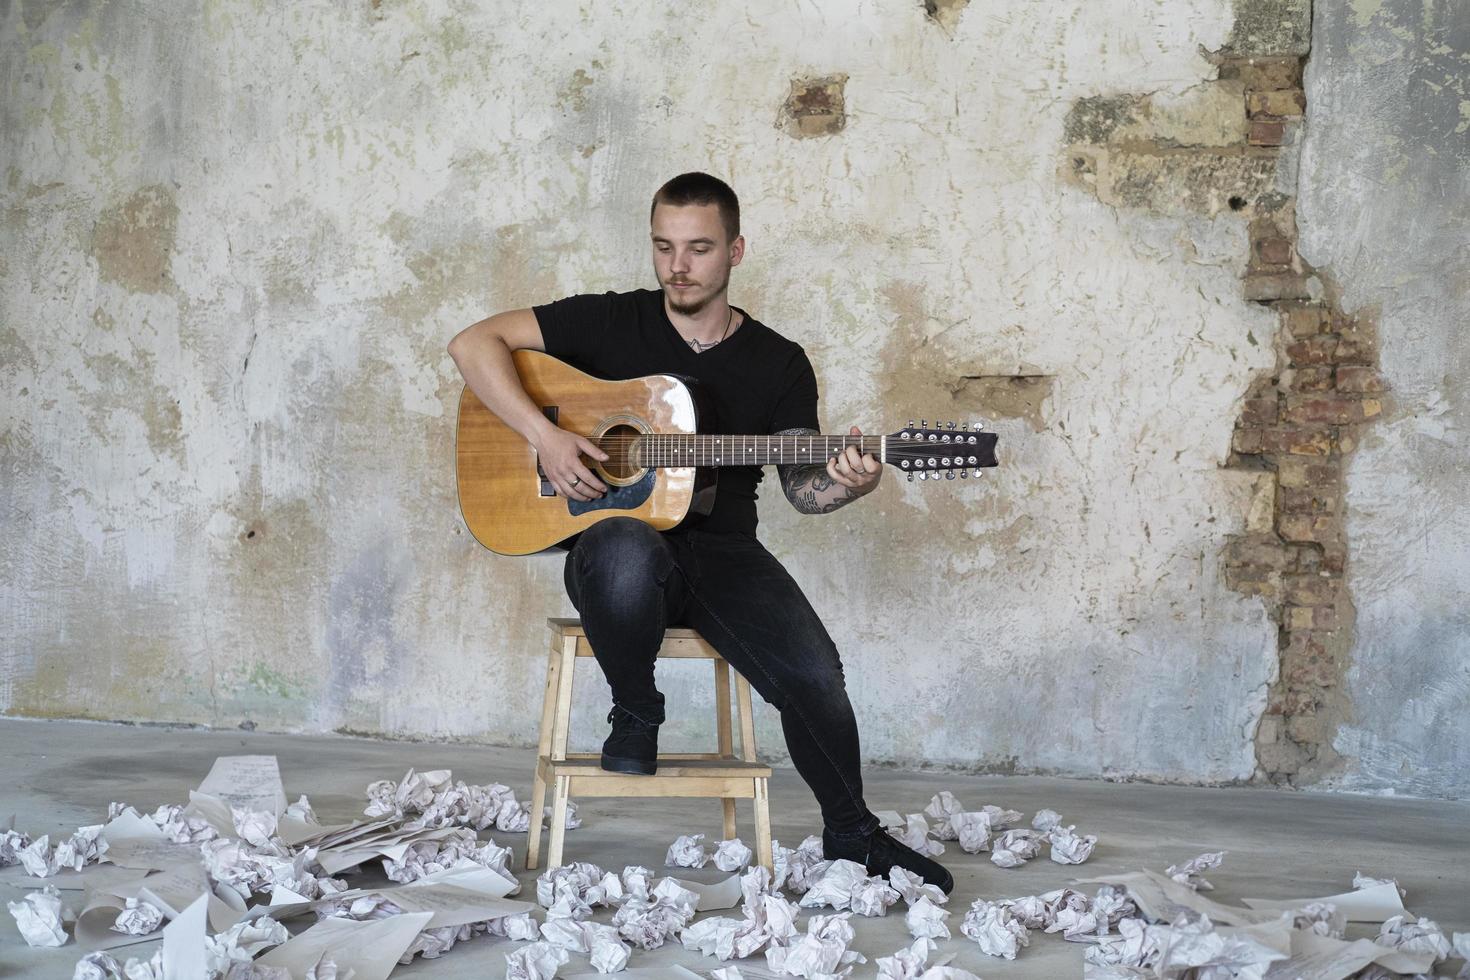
(703, 449)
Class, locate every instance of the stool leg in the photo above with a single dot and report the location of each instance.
(558, 820)
(562, 721)
(533, 833)
(543, 750)
(729, 804)
(722, 708)
(723, 731)
(763, 826)
(747, 719)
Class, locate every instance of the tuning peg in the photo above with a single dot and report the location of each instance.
(978, 473)
(979, 426)
(949, 474)
(910, 425)
(951, 424)
(964, 427)
(911, 478)
(964, 474)
(923, 474)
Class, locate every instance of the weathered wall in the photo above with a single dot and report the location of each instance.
(1385, 207)
(237, 239)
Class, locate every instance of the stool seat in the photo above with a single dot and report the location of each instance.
(721, 774)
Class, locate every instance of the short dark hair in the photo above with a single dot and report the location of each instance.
(701, 188)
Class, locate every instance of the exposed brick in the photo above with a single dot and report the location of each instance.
(1307, 500)
(1321, 617)
(1306, 556)
(1308, 590)
(1259, 411)
(1247, 442)
(1306, 527)
(1310, 379)
(1274, 251)
(1305, 473)
(1249, 580)
(1352, 377)
(1334, 560)
(1306, 321)
(1276, 102)
(1258, 551)
(1303, 642)
(1330, 409)
(1265, 132)
(1354, 350)
(1276, 286)
(1312, 350)
(1295, 440)
(816, 106)
(1301, 699)
(1264, 73)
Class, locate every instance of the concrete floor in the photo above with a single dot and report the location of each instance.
(55, 776)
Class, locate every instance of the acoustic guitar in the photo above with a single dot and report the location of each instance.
(660, 459)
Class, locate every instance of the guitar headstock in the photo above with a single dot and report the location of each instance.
(941, 451)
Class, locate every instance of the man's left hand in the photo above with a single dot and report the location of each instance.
(857, 471)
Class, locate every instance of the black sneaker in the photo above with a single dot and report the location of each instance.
(881, 851)
(632, 747)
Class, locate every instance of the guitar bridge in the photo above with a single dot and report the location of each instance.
(545, 489)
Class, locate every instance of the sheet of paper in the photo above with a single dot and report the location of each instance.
(94, 923)
(295, 833)
(130, 827)
(94, 877)
(454, 897)
(215, 811)
(336, 837)
(1161, 899)
(152, 855)
(183, 943)
(1364, 905)
(724, 894)
(453, 904)
(1325, 958)
(176, 888)
(391, 846)
(250, 782)
(368, 950)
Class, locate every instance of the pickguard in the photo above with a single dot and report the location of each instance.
(629, 497)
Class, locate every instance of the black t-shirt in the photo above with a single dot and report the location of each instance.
(759, 382)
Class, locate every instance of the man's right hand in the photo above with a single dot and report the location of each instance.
(561, 460)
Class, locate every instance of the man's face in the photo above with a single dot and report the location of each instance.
(692, 255)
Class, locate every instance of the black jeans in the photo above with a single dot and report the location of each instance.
(629, 582)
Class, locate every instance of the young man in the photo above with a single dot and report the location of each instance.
(628, 581)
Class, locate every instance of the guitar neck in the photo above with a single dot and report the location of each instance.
(661, 449)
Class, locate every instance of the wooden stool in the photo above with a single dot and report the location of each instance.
(720, 774)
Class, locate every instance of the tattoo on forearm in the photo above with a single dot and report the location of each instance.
(809, 487)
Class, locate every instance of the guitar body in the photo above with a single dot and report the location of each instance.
(507, 503)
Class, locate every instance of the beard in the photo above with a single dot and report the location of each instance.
(690, 305)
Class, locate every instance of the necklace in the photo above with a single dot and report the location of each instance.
(700, 346)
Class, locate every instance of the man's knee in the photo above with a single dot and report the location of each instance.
(623, 552)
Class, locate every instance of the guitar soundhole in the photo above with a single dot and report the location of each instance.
(618, 442)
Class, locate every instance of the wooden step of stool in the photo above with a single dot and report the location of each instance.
(721, 774)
